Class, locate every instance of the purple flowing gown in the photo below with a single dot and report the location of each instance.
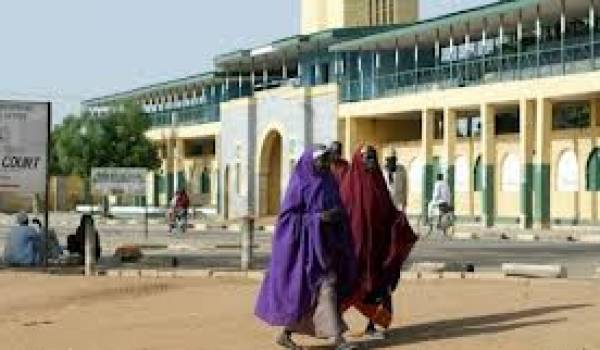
(303, 254)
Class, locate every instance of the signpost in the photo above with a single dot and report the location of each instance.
(130, 181)
(25, 150)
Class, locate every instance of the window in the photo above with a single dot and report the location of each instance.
(571, 116)
(478, 175)
(511, 173)
(461, 174)
(593, 171)
(415, 176)
(507, 123)
(567, 173)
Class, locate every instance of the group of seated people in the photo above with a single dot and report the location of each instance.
(25, 245)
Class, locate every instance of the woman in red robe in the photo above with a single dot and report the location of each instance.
(382, 238)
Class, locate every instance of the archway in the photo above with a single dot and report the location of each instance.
(269, 174)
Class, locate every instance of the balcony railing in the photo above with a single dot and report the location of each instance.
(192, 115)
(571, 59)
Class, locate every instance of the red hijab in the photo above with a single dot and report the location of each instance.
(382, 235)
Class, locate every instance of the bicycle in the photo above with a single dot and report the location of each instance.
(440, 220)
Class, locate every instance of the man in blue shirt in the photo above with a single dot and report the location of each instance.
(24, 243)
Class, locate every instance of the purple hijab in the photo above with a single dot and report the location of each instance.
(303, 251)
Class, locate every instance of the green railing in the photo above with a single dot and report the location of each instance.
(571, 59)
(193, 115)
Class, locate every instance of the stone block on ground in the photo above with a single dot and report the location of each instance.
(429, 267)
(462, 235)
(130, 273)
(149, 273)
(527, 237)
(166, 274)
(229, 274)
(128, 253)
(256, 275)
(193, 273)
(531, 270)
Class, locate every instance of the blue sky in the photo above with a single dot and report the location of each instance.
(67, 50)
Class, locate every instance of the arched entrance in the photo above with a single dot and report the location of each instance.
(226, 190)
(269, 174)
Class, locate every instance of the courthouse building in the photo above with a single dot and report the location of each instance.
(503, 99)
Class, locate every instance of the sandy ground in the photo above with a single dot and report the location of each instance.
(47, 313)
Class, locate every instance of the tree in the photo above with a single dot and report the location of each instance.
(113, 140)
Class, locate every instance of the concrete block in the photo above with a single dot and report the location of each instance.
(530, 270)
(256, 275)
(270, 228)
(410, 275)
(590, 238)
(113, 273)
(484, 276)
(201, 227)
(193, 273)
(453, 275)
(165, 274)
(149, 273)
(130, 273)
(465, 236)
(429, 267)
(431, 275)
(181, 247)
(229, 274)
(527, 237)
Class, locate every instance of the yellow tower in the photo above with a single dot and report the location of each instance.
(318, 15)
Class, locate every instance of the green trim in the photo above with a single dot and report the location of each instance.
(487, 196)
(450, 181)
(541, 203)
(427, 190)
(507, 220)
(527, 196)
(203, 78)
(460, 17)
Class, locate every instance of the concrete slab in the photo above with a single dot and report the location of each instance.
(229, 274)
(256, 275)
(113, 273)
(453, 275)
(465, 236)
(530, 270)
(410, 275)
(485, 276)
(431, 275)
(527, 237)
(428, 267)
(130, 273)
(165, 274)
(193, 273)
(149, 273)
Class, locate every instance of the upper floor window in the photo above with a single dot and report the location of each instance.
(572, 115)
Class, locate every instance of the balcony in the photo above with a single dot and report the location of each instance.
(190, 115)
(575, 58)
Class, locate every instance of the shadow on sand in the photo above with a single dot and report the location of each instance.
(463, 327)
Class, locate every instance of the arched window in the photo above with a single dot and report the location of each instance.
(593, 171)
(511, 173)
(567, 172)
(415, 175)
(478, 175)
(461, 174)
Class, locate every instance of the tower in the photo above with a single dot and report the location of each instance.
(318, 15)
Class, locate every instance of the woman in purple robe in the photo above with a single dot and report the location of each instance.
(312, 266)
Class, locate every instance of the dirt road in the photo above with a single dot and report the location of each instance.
(47, 313)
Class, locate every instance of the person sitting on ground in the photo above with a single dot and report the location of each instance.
(23, 245)
(76, 242)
